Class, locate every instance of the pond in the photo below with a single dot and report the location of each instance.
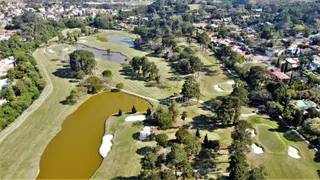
(118, 39)
(103, 54)
(74, 152)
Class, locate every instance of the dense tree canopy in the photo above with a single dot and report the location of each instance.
(82, 60)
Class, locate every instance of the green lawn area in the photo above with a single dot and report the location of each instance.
(122, 160)
(278, 164)
(271, 141)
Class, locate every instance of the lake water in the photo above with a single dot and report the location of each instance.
(118, 39)
(74, 152)
(103, 54)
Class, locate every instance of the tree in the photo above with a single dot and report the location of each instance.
(109, 52)
(80, 74)
(162, 139)
(242, 94)
(91, 83)
(313, 125)
(168, 175)
(177, 157)
(133, 110)
(298, 118)
(148, 112)
(257, 173)
(107, 74)
(174, 110)
(229, 111)
(198, 134)
(193, 146)
(238, 167)
(191, 89)
(120, 112)
(183, 136)
(73, 97)
(184, 115)
(119, 86)
(82, 60)
(149, 161)
(164, 120)
(205, 140)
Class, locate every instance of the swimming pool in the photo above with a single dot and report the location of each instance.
(302, 103)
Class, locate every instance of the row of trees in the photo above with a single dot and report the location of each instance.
(238, 167)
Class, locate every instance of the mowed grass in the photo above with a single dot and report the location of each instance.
(271, 141)
(22, 149)
(278, 164)
(123, 159)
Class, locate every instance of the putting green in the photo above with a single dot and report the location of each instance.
(270, 139)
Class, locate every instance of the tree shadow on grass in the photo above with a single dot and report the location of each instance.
(65, 73)
(292, 136)
(127, 178)
(128, 72)
(204, 122)
(144, 150)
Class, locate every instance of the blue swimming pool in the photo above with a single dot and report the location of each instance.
(302, 103)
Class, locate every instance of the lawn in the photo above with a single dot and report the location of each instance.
(278, 164)
(123, 159)
(271, 141)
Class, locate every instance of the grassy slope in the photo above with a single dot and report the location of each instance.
(123, 159)
(278, 164)
(21, 150)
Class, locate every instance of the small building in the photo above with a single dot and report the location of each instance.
(6, 64)
(279, 75)
(4, 82)
(293, 62)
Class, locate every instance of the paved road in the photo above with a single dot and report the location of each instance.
(33, 107)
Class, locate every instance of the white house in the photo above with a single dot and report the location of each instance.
(6, 64)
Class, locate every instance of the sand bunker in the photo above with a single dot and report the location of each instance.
(145, 133)
(82, 41)
(251, 132)
(136, 118)
(106, 145)
(51, 51)
(293, 152)
(256, 149)
(65, 49)
(217, 88)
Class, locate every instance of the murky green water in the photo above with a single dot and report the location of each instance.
(74, 151)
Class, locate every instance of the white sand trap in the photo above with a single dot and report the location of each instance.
(82, 37)
(251, 132)
(231, 82)
(51, 51)
(82, 41)
(293, 152)
(217, 88)
(256, 149)
(136, 118)
(145, 133)
(65, 49)
(106, 145)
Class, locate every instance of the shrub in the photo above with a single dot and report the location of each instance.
(162, 139)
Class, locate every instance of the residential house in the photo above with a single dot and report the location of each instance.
(306, 52)
(279, 75)
(315, 64)
(293, 63)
